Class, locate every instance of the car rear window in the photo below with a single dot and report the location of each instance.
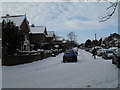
(69, 52)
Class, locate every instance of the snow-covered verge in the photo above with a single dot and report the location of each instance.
(52, 73)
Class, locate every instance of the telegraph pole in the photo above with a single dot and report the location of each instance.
(95, 40)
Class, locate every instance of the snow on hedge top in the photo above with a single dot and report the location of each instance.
(37, 29)
(17, 20)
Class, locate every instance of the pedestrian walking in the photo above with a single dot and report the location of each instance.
(94, 52)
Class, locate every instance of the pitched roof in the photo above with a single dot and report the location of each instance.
(64, 41)
(37, 29)
(59, 38)
(18, 19)
(50, 34)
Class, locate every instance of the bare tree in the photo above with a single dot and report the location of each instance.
(113, 5)
(71, 36)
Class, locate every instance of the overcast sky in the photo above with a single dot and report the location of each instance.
(64, 17)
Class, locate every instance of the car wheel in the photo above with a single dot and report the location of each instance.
(75, 59)
(113, 62)
(118, 64)
(63, 61)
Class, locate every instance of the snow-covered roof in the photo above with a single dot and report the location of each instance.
(59, 38)
(37, 29)
(50, 34)
(17, 20)
(64, 41)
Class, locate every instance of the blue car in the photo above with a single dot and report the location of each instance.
(70, 56)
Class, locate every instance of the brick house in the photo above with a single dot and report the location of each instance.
(37, 35)
(50, 36)
(22, 23)
(58, 40)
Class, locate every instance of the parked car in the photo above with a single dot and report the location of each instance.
(90, 50)
(107, 54)
(70, 56)
(100, 52)
(116, 58)
(113, 48)
(96, 47)
(86, 49)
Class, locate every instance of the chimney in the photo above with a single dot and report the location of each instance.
(7, 15)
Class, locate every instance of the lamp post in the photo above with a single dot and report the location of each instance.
(95, 37)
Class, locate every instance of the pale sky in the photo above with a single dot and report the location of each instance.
(64, 17)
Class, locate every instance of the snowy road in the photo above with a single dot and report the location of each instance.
(52, 73)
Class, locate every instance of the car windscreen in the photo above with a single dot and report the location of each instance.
(109, 51)
(118, 53)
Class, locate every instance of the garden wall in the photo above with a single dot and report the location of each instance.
(9, 60)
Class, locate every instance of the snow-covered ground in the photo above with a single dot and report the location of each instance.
(52, 73)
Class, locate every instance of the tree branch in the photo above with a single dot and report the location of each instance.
(108, 16)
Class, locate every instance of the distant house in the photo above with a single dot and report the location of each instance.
(50, 36)
(62, 43)
(23, 25)
(58, 40)
(66, 44)
(38, 34)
